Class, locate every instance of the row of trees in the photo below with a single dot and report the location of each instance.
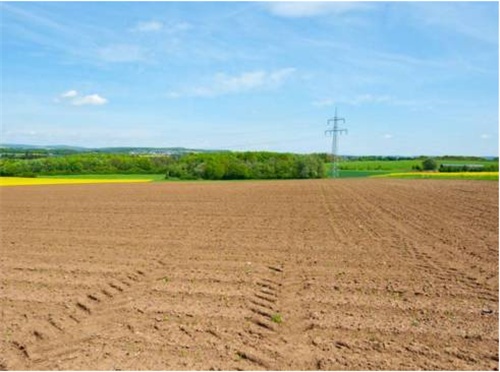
(468, 168)
(431, 164)
(213, 166)
(247, 165)
(84, 164)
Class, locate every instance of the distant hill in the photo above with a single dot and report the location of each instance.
(108, 150)
(151, 150)
(41, 147)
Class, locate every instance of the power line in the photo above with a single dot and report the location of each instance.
(335, 132)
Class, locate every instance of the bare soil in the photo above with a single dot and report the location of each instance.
(297, 275)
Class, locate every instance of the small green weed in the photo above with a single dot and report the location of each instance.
(277, 318)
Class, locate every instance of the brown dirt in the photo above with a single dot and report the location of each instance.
(366, 274)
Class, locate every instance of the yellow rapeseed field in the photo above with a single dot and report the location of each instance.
(20, 181)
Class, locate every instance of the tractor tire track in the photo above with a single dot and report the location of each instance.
(82, 317)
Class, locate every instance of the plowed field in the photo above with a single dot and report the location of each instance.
(326, 274)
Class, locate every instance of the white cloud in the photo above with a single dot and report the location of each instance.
(312, 9)
(148, 26)
(69, 94)
(91, 99)
(222, 83)
(485, 136)
(73, 98)
(387, 136)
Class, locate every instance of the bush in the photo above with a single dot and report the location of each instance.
(429, 164)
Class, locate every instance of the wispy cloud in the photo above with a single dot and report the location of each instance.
(379, 99)
(155, 26)
(36, 24)
(20, 133)
(326, 102)
(148, 26)
(312, 9)
(371, 98)
(72, 97)
(122, 53)
(472, 21)
(33, 18)
(357, 100)
(91, 99)
(222, 84)
(69, 94)
(83, 41)
(178, 27)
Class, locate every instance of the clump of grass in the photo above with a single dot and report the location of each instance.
(277, 318)
(165, 279)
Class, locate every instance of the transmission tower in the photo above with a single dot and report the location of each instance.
(335, 132)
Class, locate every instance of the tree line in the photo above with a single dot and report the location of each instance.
(247, 165)
(83, 164)
(211, 166)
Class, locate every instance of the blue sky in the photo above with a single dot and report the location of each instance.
(410, 78)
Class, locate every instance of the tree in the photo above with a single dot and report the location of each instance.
(237, 170)
(429, 164)
(214, 170)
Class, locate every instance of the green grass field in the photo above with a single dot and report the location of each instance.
(378, 165)
(485, 176)
(397, 168)
(361, 173)
(401, 165)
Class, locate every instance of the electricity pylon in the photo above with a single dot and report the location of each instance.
(335, 132)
